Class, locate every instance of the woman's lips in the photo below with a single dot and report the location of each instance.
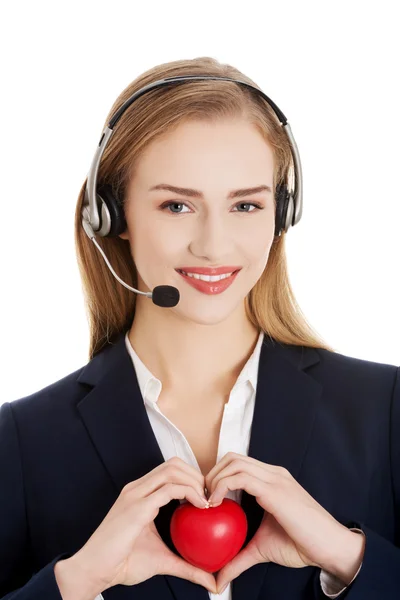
(210, 287)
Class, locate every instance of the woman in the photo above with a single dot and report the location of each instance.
(215, 388)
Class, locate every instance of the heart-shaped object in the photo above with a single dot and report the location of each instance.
(209, 538)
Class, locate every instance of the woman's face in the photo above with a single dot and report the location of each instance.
(206, 229)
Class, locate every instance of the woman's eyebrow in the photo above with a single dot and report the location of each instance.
(197, 194)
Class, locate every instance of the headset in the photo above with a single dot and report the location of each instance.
(103, 214)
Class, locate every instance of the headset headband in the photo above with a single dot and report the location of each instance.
(91, 208)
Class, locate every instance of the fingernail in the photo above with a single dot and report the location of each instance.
(205, 501)
(215, 502)
(223, 589)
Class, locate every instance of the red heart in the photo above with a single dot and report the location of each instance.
(209, 538)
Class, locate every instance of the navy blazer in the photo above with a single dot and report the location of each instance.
(67, 451)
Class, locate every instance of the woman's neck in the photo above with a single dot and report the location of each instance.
(183, 356)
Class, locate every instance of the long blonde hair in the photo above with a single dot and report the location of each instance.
(270, 304)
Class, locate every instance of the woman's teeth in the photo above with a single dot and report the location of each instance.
(207, 277)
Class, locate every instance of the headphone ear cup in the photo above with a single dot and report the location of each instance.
(117, 222)
(283, 199)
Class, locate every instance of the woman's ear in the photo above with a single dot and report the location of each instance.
(124, 235)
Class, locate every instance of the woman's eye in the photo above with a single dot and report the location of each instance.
(168, 204)
(254, 204)
(175, 204)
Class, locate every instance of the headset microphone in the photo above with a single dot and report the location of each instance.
(162, 295)
(111, 220)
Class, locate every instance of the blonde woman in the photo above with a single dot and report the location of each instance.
(204, 380)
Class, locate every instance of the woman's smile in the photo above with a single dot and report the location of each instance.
(208, 284)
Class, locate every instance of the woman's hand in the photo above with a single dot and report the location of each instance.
(126, 548)
(295, 530)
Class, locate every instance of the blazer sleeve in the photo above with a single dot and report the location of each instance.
(379, 576)
(18, 581)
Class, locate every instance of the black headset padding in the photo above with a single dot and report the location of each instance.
(282, 196)
(115, 208)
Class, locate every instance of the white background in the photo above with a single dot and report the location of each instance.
(332, 68)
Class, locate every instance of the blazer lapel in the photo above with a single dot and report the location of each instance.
(284, 414)
(116, 420)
